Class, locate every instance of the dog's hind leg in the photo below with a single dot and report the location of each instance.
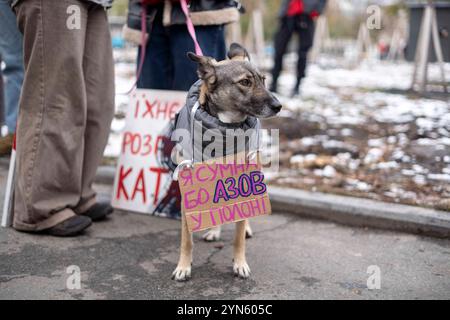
(183, 270)
(248, 230)
(212, 234)
(240, 266)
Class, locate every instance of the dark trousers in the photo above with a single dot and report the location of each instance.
(303, 25)
(166, 65)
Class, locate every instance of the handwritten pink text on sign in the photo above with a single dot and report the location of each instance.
(215, 193)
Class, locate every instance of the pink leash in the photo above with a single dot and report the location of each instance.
(143, 43)
(143, 46)
(191, 30)
(190, 27)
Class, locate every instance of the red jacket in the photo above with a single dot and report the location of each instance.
(296, 7)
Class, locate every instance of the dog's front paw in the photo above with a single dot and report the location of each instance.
(242, 270)
(212, 235)
(182, 273)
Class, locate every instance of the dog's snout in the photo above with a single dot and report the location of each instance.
(275, 105)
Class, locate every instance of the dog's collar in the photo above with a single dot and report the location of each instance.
(190, 148)
(204, 121)
(222, 125)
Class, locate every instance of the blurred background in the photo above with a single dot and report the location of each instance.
(365, 123)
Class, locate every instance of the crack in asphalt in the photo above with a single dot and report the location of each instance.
(14, 277)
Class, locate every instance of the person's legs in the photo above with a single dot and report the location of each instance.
(282, 38)
(11, 53)
(52, 114)
(157, 69)
(305, 29)
(98, 69)
(212, 41)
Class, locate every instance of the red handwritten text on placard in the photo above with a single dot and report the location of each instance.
(141, 182)
(135, 143)
(132, 183)
(155, 109)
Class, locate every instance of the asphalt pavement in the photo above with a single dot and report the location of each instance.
(131, 256)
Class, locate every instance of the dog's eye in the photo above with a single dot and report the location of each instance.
(245, 82)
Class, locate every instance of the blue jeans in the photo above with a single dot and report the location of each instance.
(166, 65)
(11, 54)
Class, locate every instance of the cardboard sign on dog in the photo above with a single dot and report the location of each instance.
(222, 191)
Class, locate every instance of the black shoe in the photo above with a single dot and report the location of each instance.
(295, 92)
(99, 211)
(273, 88)
(70, 227)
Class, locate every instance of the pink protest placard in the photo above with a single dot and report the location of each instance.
(222, 191)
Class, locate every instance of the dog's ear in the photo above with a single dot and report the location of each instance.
(238, 52)
(206, 67)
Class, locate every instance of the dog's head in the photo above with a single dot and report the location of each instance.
(235, 86)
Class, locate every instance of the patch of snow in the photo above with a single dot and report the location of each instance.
(299, 158)
(359, 185)
(420, 180)
(439, 177)
(373, 155)
(375, 142)
(419, 169)
(346, 132)
(425, 123)
(387, 165)
(396, 191)
(392, 139)
(309, 141)
(342, 158)
(408, 173)
(117, 125)
(113, 148)
(327, 172)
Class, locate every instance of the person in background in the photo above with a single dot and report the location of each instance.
(11, 53)
(296, 16)
(66, 109)
(165, 65)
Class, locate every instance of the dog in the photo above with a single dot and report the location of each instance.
(231, 91)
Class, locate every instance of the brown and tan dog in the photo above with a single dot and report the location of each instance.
(231, 91)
